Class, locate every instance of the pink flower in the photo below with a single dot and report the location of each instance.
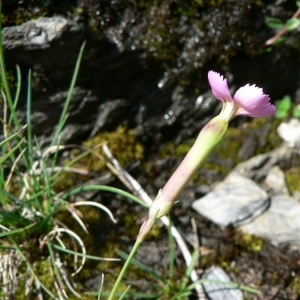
(248, 100)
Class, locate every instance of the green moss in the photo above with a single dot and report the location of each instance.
(248, 241)
(292, 178)
(170, 34)
(122, 143)
(295, 285)
(230, 145)
(165, 26)
(169, 149)
(23, 14)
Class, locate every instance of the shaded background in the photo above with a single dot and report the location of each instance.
(150, 58)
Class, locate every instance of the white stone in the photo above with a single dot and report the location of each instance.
(221, 290)
(276, 181)
(290, 132)
(232, 201)
(280, 223)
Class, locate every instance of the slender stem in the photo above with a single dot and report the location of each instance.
(29, 124)
(124, 269)
(282, 31)
(172, 251)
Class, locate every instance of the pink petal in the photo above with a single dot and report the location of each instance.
(219, 86)
(253, 102)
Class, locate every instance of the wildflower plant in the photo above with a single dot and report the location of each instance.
(34, 239)
(249, 100)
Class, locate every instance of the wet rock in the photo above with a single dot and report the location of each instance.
(47, 111)
(39, 34)
(28, 39)
(219, 290)
(257, 137)
(73, 132)
(109, 112)
(290, 132)
(153, 56)
(232, 201)
(247, 148)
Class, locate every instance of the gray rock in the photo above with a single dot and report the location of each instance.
(260, 165)
(232, 201)
(39, 33)
(218, 290)
(276, 181)
(241, 202)
(47, 111)
(94, 283)
(109, 111)
(296, 195)
(279, 224)
(290, 132)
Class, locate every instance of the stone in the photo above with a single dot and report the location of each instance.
(280, 223)
(240, 202)
(109, 112)
(46, 114)
(296, 195)
(39, 33)
(276, 181)
(219, 290)
(290, 132)
(232, 201)
(259, 166)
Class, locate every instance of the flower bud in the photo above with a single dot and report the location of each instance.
(209, 137)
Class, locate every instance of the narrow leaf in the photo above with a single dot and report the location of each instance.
(274, 23)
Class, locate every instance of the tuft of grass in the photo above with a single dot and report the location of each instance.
(35, 244)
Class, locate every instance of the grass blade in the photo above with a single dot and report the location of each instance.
(171, 249)
(63, 116)
(103, 188)
(141, 266)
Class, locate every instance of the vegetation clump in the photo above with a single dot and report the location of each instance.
(122, 142)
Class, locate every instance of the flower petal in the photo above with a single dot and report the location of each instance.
(219, 86)
(253, 102)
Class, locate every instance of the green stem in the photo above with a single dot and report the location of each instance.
(124, 269)
(145, 229)
(4, 76)
(172, 250)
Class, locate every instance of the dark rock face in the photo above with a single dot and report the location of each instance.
(146, 66)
